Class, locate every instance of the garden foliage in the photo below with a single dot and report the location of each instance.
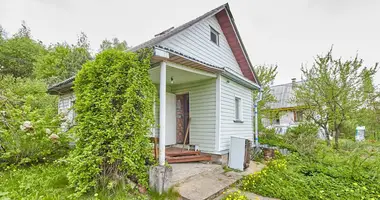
(236, 195)
(114, 107)
(29, 123)
(319, 171)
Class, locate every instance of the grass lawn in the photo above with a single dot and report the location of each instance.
(46, 181)
(49, 181)
(352, 172)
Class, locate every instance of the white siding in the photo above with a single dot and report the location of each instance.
(287, 118)
(195, 42)
(230, 90)
(65, 104)
(202, 103)
(156, 107)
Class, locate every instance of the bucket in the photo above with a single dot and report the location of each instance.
(268, 153)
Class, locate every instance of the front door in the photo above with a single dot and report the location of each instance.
(182, 118)
(170, 137)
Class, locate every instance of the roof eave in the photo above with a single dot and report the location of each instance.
(240, 79)
(227, 7)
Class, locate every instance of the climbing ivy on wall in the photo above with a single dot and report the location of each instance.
(114, 106)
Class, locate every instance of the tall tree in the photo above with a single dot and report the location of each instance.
(3, 33)
(83, 41)
(332, 92)
(114, 44)
(19, 53)
(24, 31)
(266, 74)
(62, 60)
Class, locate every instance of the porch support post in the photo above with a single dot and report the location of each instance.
(162, 113)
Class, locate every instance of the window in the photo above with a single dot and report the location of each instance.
(214, 36)
(298, 116)
(238, 110)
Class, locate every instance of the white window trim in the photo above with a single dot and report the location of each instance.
(240, 120)
(213, 30)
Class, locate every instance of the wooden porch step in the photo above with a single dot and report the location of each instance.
(181, 153)
(192, 158)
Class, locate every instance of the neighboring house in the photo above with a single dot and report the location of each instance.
(208, 78)
(285, 112)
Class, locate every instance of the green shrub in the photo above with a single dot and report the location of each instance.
(28, 119)
(269, 137)
(303, 138)
(302, 129)
(114, 107)
(329, 174)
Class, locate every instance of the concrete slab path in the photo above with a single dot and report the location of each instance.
(198, 181)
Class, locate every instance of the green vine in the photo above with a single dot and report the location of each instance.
(114, 98)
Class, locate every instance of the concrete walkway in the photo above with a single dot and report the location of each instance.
(198, 181)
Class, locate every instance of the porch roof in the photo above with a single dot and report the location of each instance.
(176, 58)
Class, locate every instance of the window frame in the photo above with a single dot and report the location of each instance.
(216, 33)
(298, 116)
(238, 110)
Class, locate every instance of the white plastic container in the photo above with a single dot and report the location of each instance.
(360, 132)
(237, 153)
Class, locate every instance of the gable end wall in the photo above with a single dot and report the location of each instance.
(195, 42)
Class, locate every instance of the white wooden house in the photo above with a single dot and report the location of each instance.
(208, 78)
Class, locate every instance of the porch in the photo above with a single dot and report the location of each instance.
(188, 116)
(211, 94)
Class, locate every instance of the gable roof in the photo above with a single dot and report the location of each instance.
(284, 94)
(226, 21)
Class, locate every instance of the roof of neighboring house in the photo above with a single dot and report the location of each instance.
(229, 28)
(63, 85)
(284, 94)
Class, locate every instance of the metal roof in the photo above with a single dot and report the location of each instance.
(284, 94)
(152, 42)
(54, 89)
(165, 35)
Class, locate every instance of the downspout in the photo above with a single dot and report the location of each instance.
(256, 136)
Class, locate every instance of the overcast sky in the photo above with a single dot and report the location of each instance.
(283, 32)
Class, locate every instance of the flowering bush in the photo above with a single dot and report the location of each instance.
(251, 181)
(237, 195)
(29, 124)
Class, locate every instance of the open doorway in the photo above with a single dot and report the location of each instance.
(182, 117)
